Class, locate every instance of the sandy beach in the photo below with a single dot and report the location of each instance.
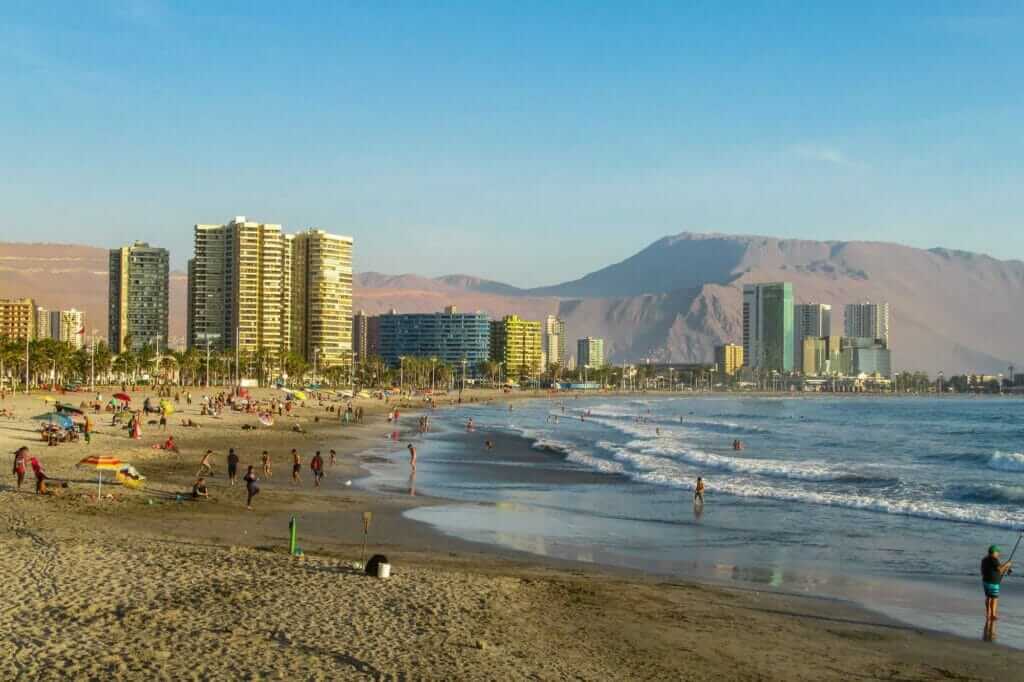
(143, 585)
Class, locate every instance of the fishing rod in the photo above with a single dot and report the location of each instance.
(1015, 546)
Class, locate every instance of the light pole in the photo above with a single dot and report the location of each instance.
(463, 388)
(433, 362)
(92, 364)
(401, 374)
(27, 356)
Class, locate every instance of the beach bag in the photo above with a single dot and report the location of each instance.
(374, 562)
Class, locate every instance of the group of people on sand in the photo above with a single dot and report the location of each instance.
(250, 478)
(23, 461)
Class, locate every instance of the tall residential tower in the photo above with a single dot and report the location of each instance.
(810, 321)
(867, 320)
(321, 297)
(138, 296)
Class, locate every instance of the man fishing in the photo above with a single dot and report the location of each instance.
(992, 573)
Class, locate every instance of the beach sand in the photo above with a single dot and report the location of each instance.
(143, 586)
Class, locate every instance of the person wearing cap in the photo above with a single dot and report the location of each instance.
(992, 573)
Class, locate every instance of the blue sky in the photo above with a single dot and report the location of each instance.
(529, 142)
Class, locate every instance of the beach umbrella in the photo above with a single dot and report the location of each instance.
(299, 394)
(49, 399)
(68, 408)
(123, 397)
(101, 463)
(266, 419)
(61, 420)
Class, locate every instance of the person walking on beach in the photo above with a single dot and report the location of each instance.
(334, 457)
(232, 466)
(316, 465)
(698, 491)
(992, 573)
(205, 465)
(412, 456)
(296, 467)
(21, 456)
(251, 488)
(266, 464)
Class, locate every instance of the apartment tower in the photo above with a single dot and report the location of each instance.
(138, 296)
(867, 320)
(321, 297)
(239, 288)
(554, 340)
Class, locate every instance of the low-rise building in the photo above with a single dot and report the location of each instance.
(729, 358)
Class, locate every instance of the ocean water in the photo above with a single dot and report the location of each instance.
(889, 502)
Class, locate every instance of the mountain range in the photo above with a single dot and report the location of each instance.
(673, 301)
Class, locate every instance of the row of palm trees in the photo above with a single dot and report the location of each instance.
(55, 362)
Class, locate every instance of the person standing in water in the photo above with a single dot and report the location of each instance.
(412, 456)
(316, 465)
(296, 467)
(698, 491)
(992, 573)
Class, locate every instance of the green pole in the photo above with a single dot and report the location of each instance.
(292, 527)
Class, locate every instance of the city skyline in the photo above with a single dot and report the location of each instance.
(898, 125)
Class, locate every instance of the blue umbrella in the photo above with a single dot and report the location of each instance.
(61, 420)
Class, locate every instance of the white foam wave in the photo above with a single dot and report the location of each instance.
(1006, 461)
(574, 454)
(659, 471)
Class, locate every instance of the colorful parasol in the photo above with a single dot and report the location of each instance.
(123, 397)
(266, 419)
(101, 463)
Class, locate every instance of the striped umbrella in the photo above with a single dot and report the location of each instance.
(100, 463)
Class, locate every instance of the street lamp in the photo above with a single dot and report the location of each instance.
(433, 362)
(401, 374)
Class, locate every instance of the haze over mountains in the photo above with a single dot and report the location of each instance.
(673, 301)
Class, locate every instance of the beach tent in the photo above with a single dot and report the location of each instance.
(101, 463)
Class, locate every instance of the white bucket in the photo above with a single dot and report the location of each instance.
(383, 570)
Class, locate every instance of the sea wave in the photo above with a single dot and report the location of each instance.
(1006, 461)
(577, 455)
(991, 493)
(655, 470)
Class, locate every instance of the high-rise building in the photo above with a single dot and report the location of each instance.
(360, 342)
(729, 358)
(810, 320)
(450, 337)
(516, 343)
(814, 354)
(554, 340)
(768, 326)
(590, 351)
(867, 320)
(42, 323)
(138, 296)
(67, 326)
(18, 318)
(240, 288)
(321, 297)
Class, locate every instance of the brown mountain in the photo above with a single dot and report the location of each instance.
(677, 298)
(674, 300)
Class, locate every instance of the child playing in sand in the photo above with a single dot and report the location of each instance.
(266, 464)
(199, 489)
(334, 457)
(21, 456)
(206, 464)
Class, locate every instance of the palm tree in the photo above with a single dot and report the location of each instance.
(296, 367)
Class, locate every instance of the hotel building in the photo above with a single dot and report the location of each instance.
(810, 320)
(554, 341)
(449, 336)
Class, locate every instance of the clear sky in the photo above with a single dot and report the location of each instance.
(526, 141)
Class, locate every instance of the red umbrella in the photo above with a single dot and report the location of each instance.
(124, 397)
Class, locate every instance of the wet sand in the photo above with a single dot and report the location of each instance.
(142, 586)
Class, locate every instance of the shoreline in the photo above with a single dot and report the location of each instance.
(583, 604)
